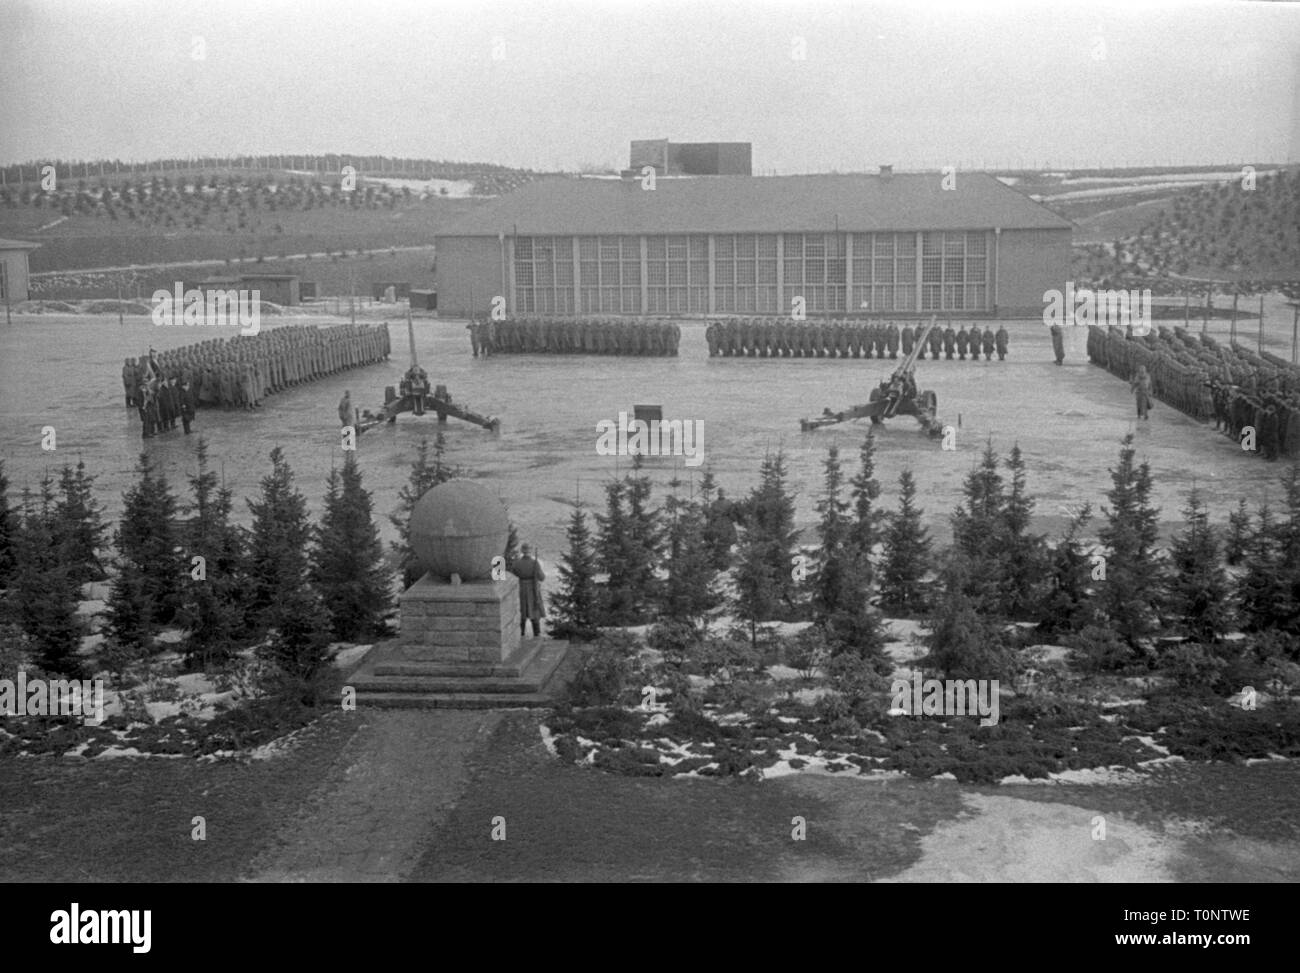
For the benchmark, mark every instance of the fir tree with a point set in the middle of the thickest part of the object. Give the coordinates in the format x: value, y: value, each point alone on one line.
x: 964, y: 643
x: 348, y: 568
x: 841, y: 587
x: 645, y: 537
x: 1132, y: 582
x: 1289, y: 610
x: 613, y: 557
x: 1265, y: 591
x: 979, y: 531
x: 1198, y: 587
x: 212, y: 609
x: 1260, y: 589
x: 865, y: 531
x: 629, y: 550
x: 511, y: 553
x: 277, y: 565
x: 1238, y: 534
x: 426, y: 473
x: 769, y: 520
x: 1065, y: 603
x: 298, y: 649
x: 8, y: 528
x: 574, y: 608
x: 690, y: 591
x: 147, y: 591
x: 757, y: 589
x: 1024, y: 556
x: 78, y: 524
x: 45, y: 594
x: 907, y: 553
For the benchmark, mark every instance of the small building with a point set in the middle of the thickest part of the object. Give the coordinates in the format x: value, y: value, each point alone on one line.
x: 307, y: 290
x: 282, y: 289
x: 401, y: 290
x: 14, y: 272
x: 424, y: 300
x: 693, y: 158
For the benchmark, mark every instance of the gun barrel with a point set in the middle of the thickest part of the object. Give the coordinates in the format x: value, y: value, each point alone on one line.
x: 909, y: 361
x: 410, y: 335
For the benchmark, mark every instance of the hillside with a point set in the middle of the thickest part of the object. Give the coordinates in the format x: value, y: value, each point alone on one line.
x: 1220, y: 232
x: 282, y: 222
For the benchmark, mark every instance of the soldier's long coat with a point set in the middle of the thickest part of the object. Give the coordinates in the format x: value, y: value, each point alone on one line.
x: 530, y: 575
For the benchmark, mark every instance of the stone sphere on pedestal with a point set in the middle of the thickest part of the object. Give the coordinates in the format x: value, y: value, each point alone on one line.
x: 457, y: 528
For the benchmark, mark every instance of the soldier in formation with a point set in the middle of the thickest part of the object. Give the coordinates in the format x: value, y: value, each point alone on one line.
x: 742, y: 337
x: 238, y: 372
x: 581, y: 336
x: 1235, y: 388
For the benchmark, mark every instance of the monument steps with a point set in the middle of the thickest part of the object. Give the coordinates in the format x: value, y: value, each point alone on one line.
x: 418, y: 688
x: 453, y: 701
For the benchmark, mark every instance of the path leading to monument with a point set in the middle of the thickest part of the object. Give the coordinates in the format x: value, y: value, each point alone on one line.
x: 392, y: 786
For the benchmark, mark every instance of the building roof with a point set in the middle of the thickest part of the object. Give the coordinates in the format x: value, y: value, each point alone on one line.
x: 17, y: 245
x: 757, y: 204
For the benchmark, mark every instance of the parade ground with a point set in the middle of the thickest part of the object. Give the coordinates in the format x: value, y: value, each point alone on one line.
x: 63, y: 371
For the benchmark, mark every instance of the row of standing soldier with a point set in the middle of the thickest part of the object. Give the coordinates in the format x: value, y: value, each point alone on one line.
x: 238, y: 372
x: 1232, y: 386
x: 574, y: 336
x: 837, y: 338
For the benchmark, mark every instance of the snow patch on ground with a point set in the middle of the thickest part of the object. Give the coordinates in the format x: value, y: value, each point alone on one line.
x: 348, y: 654
x: 548, y: 741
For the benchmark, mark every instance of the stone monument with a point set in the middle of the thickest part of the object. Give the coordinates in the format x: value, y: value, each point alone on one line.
x: 460, y: 642
x: 458, y: 611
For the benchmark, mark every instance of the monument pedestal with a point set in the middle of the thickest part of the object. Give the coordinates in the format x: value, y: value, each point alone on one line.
x: 474, y: 621
x: 459, y: 647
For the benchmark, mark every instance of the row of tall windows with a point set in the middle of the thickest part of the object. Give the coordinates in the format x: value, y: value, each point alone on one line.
x: 953, y: 270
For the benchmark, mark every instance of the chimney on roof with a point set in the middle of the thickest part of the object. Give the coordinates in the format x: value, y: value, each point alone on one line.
x: 886, y: 171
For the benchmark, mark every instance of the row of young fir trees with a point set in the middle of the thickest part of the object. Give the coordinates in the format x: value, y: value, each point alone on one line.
x: 691, y: 559
x: 284, y: 583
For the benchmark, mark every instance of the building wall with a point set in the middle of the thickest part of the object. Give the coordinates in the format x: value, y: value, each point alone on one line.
x: 15, y: 262
x: 652, y: 152
x: 468, y: 275
x: 1030, y: 262
x: 901, y: 274
x: 276, y: 291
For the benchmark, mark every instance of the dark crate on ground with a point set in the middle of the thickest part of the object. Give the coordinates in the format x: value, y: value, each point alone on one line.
x: 424, y: 300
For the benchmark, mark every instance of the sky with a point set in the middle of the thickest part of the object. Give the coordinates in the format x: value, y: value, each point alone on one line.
x: 562, y: 84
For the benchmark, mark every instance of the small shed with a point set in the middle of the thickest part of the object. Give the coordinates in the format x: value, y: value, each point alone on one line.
x: 14, y: 272
x: 280, y: 289
x: 422, y: 300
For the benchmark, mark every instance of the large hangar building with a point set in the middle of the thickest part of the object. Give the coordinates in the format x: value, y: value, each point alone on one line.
x: 882, y: 245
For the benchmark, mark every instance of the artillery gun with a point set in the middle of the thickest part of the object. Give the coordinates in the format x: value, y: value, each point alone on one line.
x: 895, y: 396
x: 413, y: 395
